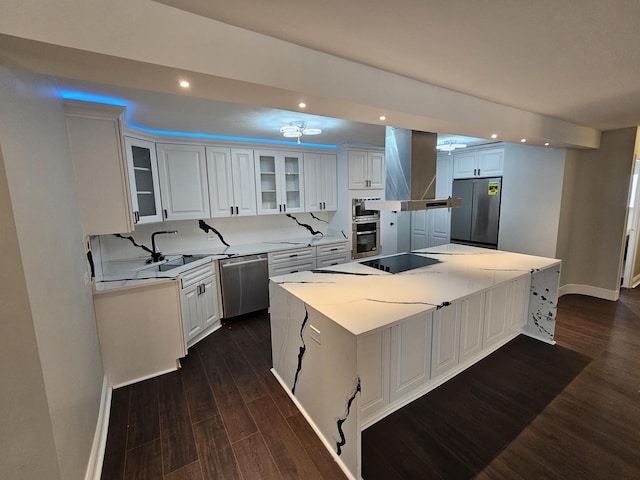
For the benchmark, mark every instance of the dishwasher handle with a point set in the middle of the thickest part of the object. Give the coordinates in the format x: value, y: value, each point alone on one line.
x: 245, y: 262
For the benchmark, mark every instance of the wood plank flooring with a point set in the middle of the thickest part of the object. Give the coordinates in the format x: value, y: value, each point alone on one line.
x: 528, y: 411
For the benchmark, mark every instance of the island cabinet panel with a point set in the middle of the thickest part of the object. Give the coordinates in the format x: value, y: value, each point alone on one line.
x: 410, y: 355
x: 496, y: 307
x: 471, y: 326
x: 373, y: 368
x: 521, y: 289
x: 446, y: 339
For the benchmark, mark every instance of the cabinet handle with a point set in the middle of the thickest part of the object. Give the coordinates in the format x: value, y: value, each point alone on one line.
x: 231, y: 209
x: 165, y: 213
x: 236, y: 210
x: 285, y: 207
x: 293, y: 255
x: 280, y: 207
x: 198, y: 289
x: 204, y: 288
x: 333, y: 249
x: 478, y: 172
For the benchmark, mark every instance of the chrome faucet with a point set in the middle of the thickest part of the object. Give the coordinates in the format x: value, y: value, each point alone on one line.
x: 156, y: 256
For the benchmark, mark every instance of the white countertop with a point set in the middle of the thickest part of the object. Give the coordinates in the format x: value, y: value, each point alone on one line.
x: 362, y: 299
x: 131, y: 273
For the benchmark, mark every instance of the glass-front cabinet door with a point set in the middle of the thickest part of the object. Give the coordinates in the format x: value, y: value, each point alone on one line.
x: 143, y: 180
x: 279, y: 182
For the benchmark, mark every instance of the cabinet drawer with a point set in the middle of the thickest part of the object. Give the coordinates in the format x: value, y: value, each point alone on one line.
x: 330, y: 260
x: 195, y: 275
x: 287, y: 256
x: 292, y: 267
x: 332, y: 249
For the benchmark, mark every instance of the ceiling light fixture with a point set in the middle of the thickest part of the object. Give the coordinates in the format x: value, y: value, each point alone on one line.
x: 450, y: 146
x: 383, y: 118
x: 523, y: 140
x: 184, y: 84
x: 297, y: 129
x: 302, y: 105
x: 494, y: 135
x: 546, y: 144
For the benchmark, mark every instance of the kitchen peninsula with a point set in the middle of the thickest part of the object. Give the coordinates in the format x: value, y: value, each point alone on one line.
x: 353, y: 343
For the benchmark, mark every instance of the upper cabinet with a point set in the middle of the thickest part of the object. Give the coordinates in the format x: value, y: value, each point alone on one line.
x: 183, y: 181
x: 279, y: 182
x: 232, y: 182
x: 143, y: 180
x: 320, y: 182
x: 100, y: 169
x: 366, y: 169
x: 478, y: 163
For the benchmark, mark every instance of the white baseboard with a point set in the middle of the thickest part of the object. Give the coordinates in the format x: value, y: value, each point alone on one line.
x: 94, y: 467
x: 590, y: 291
x: 328, y: 446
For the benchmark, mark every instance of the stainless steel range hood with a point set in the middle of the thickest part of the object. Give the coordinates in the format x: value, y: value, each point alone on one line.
x: 410, y: 159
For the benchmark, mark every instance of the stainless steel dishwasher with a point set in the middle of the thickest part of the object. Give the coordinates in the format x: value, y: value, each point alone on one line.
x: 245, y: 284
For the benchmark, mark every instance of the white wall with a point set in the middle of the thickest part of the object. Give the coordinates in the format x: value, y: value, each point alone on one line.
x: 40, y: 179
x: 531, y: 198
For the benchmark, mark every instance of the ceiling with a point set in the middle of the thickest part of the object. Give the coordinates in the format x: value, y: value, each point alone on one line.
x: 576, y: 60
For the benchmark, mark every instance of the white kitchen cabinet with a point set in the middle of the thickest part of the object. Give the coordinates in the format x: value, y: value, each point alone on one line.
x: 410, y: 355
x: 232, y: 182
x: 199, y: 303
x: 279, y: 182
x: 332, y: 254
x: 291, y: 261
x: 100, y: 168
x: 471, y: 326
x: 143, y: 180
x: 366, y: 169
x: 183, y: 181
x: 373, y: 370
x: 495, y: 314
x: 521, y: 292
x: 478, y: 163
x: 446, y: 339
x: 320, y: 182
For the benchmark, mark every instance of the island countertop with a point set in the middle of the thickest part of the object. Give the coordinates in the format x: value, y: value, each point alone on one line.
x: 362, y: 299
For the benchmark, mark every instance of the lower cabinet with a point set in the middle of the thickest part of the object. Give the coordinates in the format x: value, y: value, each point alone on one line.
x: 199, y: 301
x: 506, y: 308
x: 471, y: 326
x: 446, y: 339
x: 373, y: 364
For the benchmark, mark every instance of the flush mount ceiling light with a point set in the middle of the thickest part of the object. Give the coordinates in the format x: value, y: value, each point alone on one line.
x: 184, y: 83
x: 450, y: 146
x: 298, y: 129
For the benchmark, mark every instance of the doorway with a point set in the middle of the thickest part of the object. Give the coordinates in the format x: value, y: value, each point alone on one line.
x: 631, y: 269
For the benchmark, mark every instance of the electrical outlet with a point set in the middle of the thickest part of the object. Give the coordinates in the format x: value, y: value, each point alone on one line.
x: 315, y: 334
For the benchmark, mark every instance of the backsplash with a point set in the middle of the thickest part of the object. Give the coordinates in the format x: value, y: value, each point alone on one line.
x: 234, y: 231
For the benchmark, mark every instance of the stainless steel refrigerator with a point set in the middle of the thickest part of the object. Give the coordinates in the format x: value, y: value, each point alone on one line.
x: 477, y: 221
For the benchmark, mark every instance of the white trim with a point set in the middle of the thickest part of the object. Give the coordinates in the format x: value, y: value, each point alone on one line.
x: 635, y: 281
x: 328, y: 446
x: 94, y: 467
x: 589, y: 290
x: 146, y: 377
x: 538, y: 337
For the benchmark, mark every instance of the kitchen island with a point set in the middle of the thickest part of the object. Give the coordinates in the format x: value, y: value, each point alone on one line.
x: 353, y: 343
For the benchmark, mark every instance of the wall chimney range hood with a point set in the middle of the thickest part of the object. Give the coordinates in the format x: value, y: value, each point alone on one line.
x: 410, y: 160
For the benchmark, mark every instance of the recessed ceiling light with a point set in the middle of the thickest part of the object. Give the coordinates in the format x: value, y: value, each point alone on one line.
x: 383, y: 118
x: 546, y: 144
x: 494, y: 135
x: 302, y: 105
x: 523, y: 140
x: 184, y: 84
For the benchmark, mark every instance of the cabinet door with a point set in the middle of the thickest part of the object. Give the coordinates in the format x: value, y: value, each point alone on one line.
x: 373, y: 370
x: 183, y: 181
x: 471, y: 326
x: 376, y: 169
x: 410, y: 354
x: 313, y: 182
x: 291, y: 182
x: 244, y: 181
x: 190, y: 315
x: 268, y: 200
x: 521, y: 292
x: 208, y: 302
x: 496, y: 306
x: 420, y: 229
x: 441, y: 227
x: 329, y: 182
x: 490, y: 162
x: 143, y: 180
x: 220, y: 178
x: 446, y: 341
x: 358, y: 178
x: 465, y: 165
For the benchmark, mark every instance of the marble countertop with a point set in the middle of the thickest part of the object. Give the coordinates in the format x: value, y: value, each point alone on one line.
x: 135, y: 272
x: 362, y: 299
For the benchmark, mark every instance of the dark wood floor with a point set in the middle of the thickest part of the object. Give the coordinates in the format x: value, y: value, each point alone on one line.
x: 529, y: 411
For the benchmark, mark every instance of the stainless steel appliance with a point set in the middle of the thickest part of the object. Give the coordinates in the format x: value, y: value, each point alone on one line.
x: 477, y: 221
x: 401, y: 262
x: 365, y: 230
x: 245, y: 284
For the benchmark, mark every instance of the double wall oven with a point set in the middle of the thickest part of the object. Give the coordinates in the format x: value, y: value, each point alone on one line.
x: 365, y: 230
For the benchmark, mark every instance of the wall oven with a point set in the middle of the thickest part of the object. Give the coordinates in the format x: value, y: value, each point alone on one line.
x: 365, y: 230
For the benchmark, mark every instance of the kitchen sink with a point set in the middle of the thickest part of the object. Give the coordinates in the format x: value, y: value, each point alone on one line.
x: 175, y: 263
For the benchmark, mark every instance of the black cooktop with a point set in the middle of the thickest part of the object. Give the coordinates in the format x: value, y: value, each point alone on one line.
x: 400, y: 263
